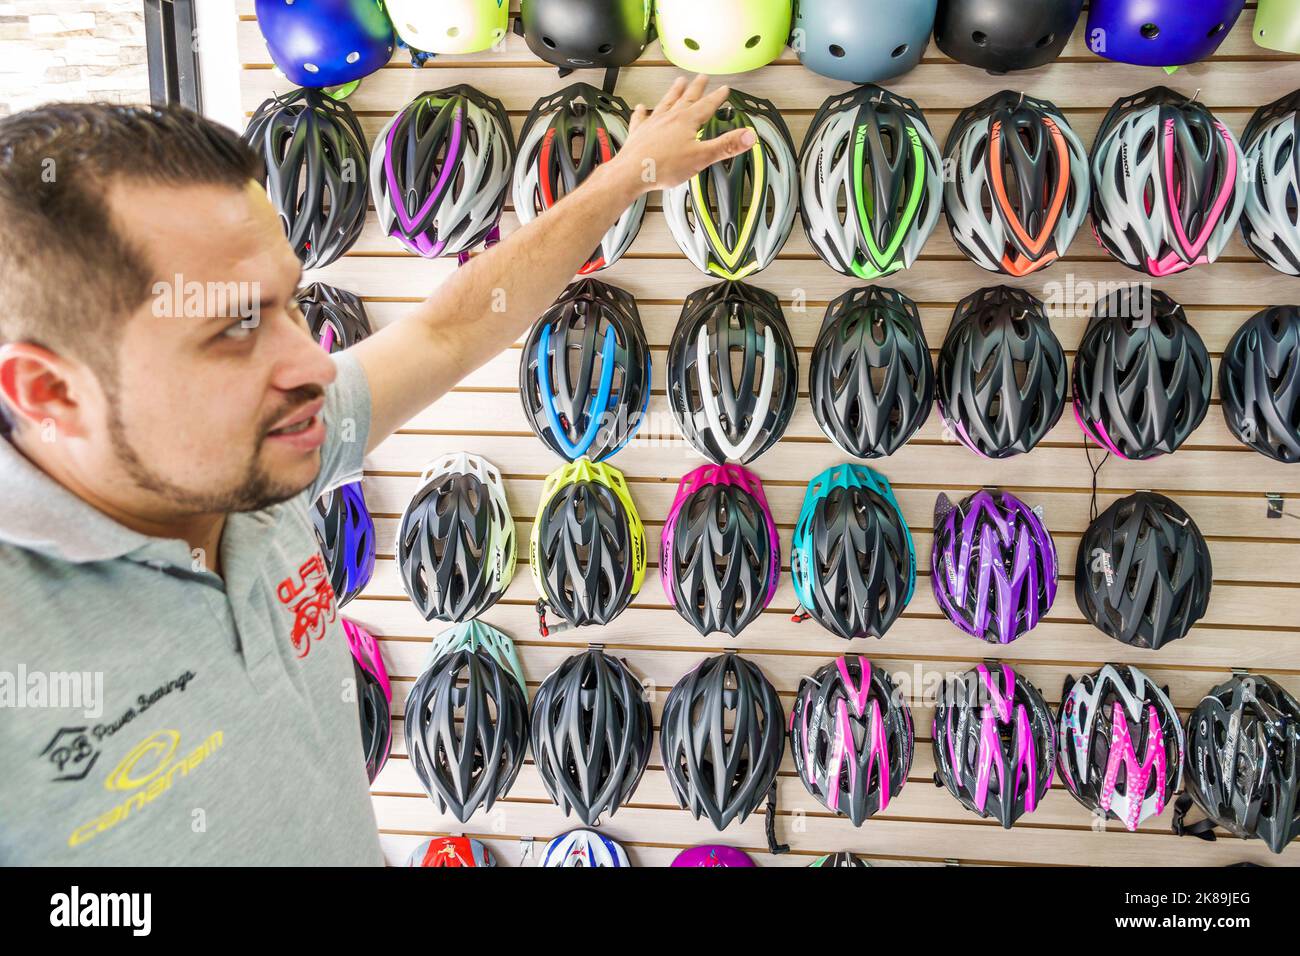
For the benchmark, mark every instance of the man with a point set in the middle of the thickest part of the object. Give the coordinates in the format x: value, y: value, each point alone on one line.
x: 174, y: 677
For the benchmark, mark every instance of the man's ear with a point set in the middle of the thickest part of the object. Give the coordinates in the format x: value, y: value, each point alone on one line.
x: 40, y: 389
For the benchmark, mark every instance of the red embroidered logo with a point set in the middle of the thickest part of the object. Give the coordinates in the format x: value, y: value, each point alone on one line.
x: 312, y: 600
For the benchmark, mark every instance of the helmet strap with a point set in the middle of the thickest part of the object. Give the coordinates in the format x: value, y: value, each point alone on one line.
x: 1202, y: 829
x: 769, y: 824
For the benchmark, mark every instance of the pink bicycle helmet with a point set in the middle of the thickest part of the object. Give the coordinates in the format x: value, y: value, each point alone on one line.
x: 713, y: 854
x: 366, y: 651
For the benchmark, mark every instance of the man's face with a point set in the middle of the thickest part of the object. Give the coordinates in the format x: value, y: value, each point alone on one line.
x: 215, y: 405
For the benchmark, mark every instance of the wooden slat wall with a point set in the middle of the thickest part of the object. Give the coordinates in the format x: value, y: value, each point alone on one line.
x: 1253, y: 621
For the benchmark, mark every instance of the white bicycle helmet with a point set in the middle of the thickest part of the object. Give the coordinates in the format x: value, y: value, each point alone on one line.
x: 450, y: 26
x: 732, y: 218
x: 456, y: 541
x: 584, y: 848
x: 565, y: 138
x: 1272, y: 146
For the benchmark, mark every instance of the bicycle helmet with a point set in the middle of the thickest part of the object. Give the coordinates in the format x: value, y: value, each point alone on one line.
x: 1002, y: 373
x: 723, y: 36
x: 1141, y: 376
x: 588, y: 544
x: 1243, y: 763
x: 440, y: 171
x: 1020, y: 184
x: 1269, y: 222
x: 1277, y: 25
x: 451, y: 851
x: 872, y: 380
x: 456, y: 541
x: 994, y: 742
x: 994, y: 567
x: 337, y: 318
x: 346, y: 535
x: 1169, y: 183
x: 466, y: 731
x: 592, y: 730
x: 830, y: 38
x: 366, y: 652
x: 584, y: 374
x: 1259, y: 383
x: 721, y: 553
x: 376, y: 720
x: 450, y: 26
x: 584, y: 848
x: 870, y: 182
x: 851, y: 737
x: 565, y: 138
x: 853, y: 561
x: 1120, y: 744
x: 319, y: 43
x: 732, y: 218
x: 313, y: 154
x: 843, y: 859
x: 711, y: 855
x: 1004, y: 35
x: 721, y: 739
x: 476, y: 635
x: 733, y: 374
x: 575, y: 34
x: 1144, y: 571
x: 1160, y: 32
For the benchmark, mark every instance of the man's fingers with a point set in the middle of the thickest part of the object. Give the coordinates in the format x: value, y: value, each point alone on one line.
x: 674, y: 93
x: 729, y: 145
x: 638, y: 117
x: 694, y: 90
x: 708, y: 105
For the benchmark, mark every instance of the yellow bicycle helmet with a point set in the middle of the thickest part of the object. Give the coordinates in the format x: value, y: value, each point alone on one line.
x: 723, y: 36
x: 450, y: 26
x: 588, y: 549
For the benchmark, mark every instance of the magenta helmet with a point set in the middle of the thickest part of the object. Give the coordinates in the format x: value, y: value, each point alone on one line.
x: 994, y: 568
x: 366, y: 651
x: 713, y: 854
x: 721, y: 553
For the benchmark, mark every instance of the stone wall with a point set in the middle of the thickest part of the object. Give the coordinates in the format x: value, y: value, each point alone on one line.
x: 71, y: 50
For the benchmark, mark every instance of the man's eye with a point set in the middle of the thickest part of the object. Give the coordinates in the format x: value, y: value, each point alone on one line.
x: 238, y: 331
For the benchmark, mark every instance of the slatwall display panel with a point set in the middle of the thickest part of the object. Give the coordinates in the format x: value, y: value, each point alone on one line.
x: 1253, y: 621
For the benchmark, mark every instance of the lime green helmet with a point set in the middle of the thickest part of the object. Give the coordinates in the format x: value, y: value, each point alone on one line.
x: 1277, y: 25
x: 450, y: 26
x: 723, y: 36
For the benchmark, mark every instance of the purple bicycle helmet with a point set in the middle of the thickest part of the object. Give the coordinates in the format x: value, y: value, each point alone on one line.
x: 721, y: 553
x: 994, y: 566
x: 337, y: 318
x: 712, y: 854
x: 994, y: 742
x: 1160, y: 32
x: 326, y: 42
x: 346, y: 534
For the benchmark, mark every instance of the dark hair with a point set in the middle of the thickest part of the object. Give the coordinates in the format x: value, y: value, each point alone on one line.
x: 67, y: 275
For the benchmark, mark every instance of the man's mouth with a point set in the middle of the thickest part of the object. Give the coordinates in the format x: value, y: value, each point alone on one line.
x: 303, y: 427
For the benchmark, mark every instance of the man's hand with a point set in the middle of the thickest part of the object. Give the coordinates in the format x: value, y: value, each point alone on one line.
x: 663, y: 149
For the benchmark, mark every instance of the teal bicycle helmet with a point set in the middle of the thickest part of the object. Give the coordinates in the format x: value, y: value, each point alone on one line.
x: 723, y: 36
x: 830, y: 39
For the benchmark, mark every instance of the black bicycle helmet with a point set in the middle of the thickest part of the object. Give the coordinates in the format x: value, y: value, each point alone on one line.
x: 1002, y: 373
x: 1141, y: 376
x: 1243, y: 763
x: 1259, y: 383
x: 842, y: 860
x: 733, y: 375
x: 576, y: 34
x: 316, y: 165
x: 456, y: 545
x: 376, y: 721
x: 585, y: 372
x: 336, y: 317
x: 592, y: 730
x: 721, y: 738
x: 466, y: 731
x: 1004, y: 35
x: 1144, y: 572
x: 871, y: 380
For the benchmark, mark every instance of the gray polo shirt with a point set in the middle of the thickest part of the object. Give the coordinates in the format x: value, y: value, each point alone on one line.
x: 152, y: 712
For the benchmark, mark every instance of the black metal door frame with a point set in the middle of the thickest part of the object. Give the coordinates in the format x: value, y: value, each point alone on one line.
x: 173, y: 53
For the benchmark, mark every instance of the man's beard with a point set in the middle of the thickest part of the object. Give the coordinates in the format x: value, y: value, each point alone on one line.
x: 255, y: 491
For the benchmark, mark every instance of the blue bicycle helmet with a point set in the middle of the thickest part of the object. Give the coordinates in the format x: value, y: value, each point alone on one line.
x: 318, y: 43
x: 853, y: 561
x: 1160, y: 32
x: 585, y: 372
x: 346, y: 535
x: 832, y: 37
